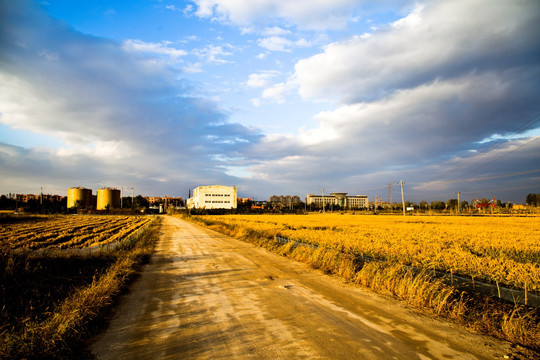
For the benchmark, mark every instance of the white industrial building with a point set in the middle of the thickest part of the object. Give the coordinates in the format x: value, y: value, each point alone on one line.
x: 341, y: 199
x: 213, y: 197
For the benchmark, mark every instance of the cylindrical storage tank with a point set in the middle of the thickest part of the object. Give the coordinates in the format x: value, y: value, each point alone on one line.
x: 79, y: 196
x: 108, y: 198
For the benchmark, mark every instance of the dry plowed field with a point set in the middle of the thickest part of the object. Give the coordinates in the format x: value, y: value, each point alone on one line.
x: 72, y: 231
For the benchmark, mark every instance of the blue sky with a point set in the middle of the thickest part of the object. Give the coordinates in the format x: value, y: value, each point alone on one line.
x: 273, y: 97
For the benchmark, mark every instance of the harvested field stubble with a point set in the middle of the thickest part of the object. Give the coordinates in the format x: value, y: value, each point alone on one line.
x: 72, y: 231
x: 48, y: 299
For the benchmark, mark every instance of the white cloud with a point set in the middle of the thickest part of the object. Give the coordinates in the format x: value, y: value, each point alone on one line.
x: 411, y: 20
x: 213, y: 54
x: 423, y: 132
x: 279, y: 43
x: 275, y: 31
x: 108, y: 151
x: 256, y: 102
x: 261, y: 79
x: 439, y: 40
x: 188, y: 10
x: 278, y: 93
x: 193, y: 68
x: 424, y: 95
x: 275, y: 43
x: 302, y: 43
x: 306, y: 14
x: 120, y: 112
x: 161, y: 48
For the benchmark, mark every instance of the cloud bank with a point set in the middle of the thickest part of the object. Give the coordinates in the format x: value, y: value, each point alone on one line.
x: 122, y: 115
x: 306, y: 14
x: 445, y: 98
x: 417, y: 98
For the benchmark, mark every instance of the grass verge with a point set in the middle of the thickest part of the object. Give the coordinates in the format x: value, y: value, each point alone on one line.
x: 420, y: 289
x: 51, y: 301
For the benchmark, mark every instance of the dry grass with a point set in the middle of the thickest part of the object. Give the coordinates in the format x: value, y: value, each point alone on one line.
x: 500, y: 250
x: 420, y: 289
x: 57, y: 322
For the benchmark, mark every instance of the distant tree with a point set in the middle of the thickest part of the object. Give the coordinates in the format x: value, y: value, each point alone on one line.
x: 140, y: 202
x: 79, y: 204
x: 438, y: 205
x: 423, y: 205
x: 6, y: 203
x: 299, y: 206
x: 532, y: 199
x: 452, y: 204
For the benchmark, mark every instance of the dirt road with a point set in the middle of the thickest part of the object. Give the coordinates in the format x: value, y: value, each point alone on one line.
x: 208, y: 296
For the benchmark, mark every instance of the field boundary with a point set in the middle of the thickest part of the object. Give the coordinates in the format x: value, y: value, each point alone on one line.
x: 509, y: 295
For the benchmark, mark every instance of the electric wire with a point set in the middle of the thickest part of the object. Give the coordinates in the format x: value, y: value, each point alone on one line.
x: 496, y: 144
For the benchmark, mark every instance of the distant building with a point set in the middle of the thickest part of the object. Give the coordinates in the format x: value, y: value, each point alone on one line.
x: 341, y: 199
x: 168, y: 200
x: 213, y: 197
x: 79, y: 197
x: 284, y: 200
x: 108, y: 198
x: 152, y: 200
x: 24, y: 198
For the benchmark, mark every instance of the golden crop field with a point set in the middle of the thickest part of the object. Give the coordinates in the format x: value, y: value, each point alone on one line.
x: 71, y: 231
x: 504, y: 250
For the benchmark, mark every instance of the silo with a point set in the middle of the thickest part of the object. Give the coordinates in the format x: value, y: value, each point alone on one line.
x: 108, y: 198
x: 81, y: 195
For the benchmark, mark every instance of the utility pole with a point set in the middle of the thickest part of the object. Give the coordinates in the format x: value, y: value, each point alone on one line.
x: 121, y: 197
x: 132, y: 197
x: 458, y: 202
x: 390, y: 193
x: 401, y: 183
x: 41, y: 196
x: 322, y: 190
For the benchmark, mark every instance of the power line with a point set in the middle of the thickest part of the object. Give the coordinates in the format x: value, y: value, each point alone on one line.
x: 492, y: 146
x: 500, y: 157
x: 481, y: 179
x: 481, y: 190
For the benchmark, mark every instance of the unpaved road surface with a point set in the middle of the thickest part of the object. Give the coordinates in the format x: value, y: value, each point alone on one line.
x: 208, y: 296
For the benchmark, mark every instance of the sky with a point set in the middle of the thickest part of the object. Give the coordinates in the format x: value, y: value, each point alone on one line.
x: 274, y: 97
